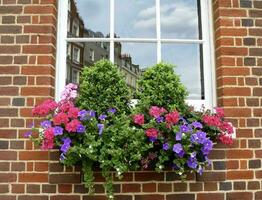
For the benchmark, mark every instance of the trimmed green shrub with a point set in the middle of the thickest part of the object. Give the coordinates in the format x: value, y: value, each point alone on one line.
x: 103, y: 87
x: 161, y: 86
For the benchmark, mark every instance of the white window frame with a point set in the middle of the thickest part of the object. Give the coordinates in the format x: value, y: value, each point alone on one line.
x: 206, y: 41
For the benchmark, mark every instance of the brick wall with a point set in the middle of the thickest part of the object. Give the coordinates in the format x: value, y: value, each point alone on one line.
x: 27, y: 68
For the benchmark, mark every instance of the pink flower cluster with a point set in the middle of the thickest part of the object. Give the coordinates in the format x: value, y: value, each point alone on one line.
x: 158, y: 114
x: 47, y: 107
x: 172, y: 118
x: 70, y: 92
x: 64, y: 116
x: 139, y: 119
x: 151, y: 133
x: 156, y: 111
x: 48, y: 142
x: 226, y: 128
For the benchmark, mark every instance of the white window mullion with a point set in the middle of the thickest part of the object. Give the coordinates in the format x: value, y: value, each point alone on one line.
x: 158, y: 31
x: 112, y: 30
x: 61, y: 72
x: 209, y: 76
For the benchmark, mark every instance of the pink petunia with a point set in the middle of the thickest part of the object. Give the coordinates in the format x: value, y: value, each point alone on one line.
x: 156, y: 111
x: 152, y: 133
x: 60, y: 118
x: 45, y: 108
x: 172, y: 117
x: 139, y: 119
x: 73, y: 112
x: 72, y: 126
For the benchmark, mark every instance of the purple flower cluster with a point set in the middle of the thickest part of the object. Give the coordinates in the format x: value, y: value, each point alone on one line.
x: 86, y: 114
x: 178, y: 149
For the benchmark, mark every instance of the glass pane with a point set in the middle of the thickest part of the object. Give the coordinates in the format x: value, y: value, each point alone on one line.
x: 88, y: 18
x: 133, y: 58
x: 135, y: 18
x: 189, y: 65
x: 180, y: 19
x: 84, y: 54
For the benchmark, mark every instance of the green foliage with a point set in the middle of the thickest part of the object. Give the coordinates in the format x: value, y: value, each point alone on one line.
x: 119, y: 148
x: 102, y: 87
x: 160, y: 86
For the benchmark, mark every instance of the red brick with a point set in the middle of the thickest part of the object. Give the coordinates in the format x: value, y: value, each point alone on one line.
x: 213, y: 196
x: 37, y: 70
x: 18, y: 188
x: 33, y: 155
x: 8, y: 91
x: 149, y: 187
x: 64, y: 188
x: 150, y: 197
x: 130, y: 187
x: 39, y: 9
x: 239, y: 196
x: 67, y: 197
x: 38, y: 91
x: 37, y: 49
x: 8, y: 155
x: 33, y: 177
x: 236, y: 175
x: 238, y: 112
x: 149, y: 176
x: 9, y: 70
x: 7, y: 177
x: 38, y: 29
x: 232, y: 12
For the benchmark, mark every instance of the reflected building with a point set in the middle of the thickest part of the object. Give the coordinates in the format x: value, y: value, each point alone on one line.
x: 86, y: 54
x: 75, y: 50
x: 94, y: 51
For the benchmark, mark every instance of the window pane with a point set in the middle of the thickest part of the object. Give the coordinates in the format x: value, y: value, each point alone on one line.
x: 135, y: 18
x: 133, y: 58
x: 84, y: 54
x: 88, y: 18
x: 180, y: 19
x: 188, y: 61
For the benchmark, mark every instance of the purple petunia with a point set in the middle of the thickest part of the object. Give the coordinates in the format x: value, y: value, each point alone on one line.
x: 160, y: 119
x: 197, y: 125
x: 178, y: 149
x: 86, y: 114
x: 46, y: 124
x: 102, y: 117
x: 184, y: 129
x: 112, y: 110
x: 80, y: 128
x: 165, y: 146
x: 207, y: 147
x: 199, y: 137
x: 100, y: 128
x: 66, y: 145
x: 58, y: 130
x: 178, y: 136
x: 192, y: 162
x: 83, y: 114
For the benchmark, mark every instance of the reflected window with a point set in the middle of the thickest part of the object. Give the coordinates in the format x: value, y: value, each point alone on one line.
x: 138, y: 34
x: 76, y: 54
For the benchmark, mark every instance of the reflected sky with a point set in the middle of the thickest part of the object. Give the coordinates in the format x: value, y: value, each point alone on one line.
x: 187, y: 60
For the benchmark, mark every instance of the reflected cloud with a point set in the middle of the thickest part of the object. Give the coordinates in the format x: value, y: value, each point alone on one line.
x: 178, y: 19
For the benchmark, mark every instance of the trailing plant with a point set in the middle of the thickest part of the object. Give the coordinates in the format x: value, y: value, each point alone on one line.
x: 161, y: 86
x: 102, y: 87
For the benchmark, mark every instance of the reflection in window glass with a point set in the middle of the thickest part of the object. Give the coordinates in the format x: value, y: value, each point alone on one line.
x: 133, y: 58
x: 92, y: 16
x: 187, y: 59
x: 135, y: 18
x: 180, y: 19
